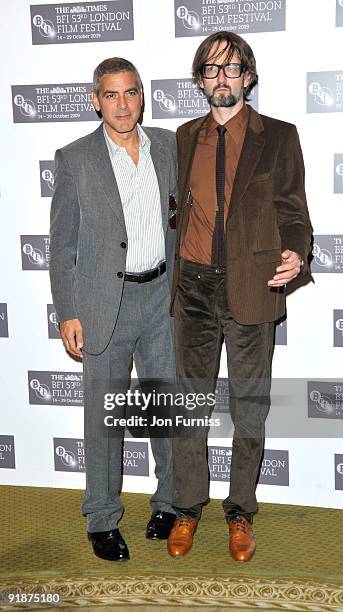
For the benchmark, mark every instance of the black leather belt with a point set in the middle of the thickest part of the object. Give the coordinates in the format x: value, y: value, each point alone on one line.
x: 145, y: 277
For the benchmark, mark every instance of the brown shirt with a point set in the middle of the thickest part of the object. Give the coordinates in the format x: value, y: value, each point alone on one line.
x: 197, y: 245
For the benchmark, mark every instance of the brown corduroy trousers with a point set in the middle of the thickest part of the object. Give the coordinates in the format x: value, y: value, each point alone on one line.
x: 202, y: 319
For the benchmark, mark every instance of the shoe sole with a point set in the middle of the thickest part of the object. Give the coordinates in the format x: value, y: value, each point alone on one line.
x: 241, y: 560
x: 179, y: 556
x: 104, y: 558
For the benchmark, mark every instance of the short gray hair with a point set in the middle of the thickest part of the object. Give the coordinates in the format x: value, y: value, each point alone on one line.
x: 112, y: 65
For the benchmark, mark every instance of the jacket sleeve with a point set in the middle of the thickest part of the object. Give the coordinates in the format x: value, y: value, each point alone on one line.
x: 64, y: 227
x: 290, y: 199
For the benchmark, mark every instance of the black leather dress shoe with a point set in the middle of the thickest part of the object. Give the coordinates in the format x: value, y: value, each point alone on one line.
x: 159, y: 526
x: 109, y: 545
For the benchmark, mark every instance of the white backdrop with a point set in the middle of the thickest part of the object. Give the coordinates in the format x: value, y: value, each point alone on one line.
x: 310, y: 43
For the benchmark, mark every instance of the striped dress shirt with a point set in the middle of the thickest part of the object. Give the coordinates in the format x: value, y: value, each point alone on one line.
x: 140, y: 197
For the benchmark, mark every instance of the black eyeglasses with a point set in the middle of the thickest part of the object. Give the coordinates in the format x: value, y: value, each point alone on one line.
x: 231, y: 71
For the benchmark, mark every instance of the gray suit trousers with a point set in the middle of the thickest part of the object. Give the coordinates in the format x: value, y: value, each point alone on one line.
x: 143, y: 332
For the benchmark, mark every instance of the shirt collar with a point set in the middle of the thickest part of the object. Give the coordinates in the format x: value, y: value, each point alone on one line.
x: 144, y: 141
x: 235, y: 126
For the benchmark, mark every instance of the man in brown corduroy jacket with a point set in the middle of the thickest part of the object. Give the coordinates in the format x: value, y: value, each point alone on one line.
x: 243, y: 241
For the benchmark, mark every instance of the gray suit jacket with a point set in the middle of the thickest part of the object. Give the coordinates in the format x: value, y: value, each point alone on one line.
x: 87, y: 228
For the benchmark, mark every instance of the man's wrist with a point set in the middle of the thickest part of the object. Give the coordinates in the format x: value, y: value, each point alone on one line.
x: 301, y: 261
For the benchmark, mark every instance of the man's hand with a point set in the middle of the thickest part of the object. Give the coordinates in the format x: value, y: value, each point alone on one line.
x: 289, y: 269
x: 72, y: 336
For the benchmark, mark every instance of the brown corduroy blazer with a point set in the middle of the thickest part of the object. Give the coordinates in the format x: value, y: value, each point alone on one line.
x: 267, y: 214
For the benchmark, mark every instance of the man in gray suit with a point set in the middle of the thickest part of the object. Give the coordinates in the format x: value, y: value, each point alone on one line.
x: 111, y: 244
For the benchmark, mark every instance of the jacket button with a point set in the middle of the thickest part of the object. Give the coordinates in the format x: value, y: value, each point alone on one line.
x: 123, y: 245
x: 120, y: 274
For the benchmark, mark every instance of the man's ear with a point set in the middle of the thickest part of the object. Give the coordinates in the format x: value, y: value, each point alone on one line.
x: 247, y: 79
x: 200, y: 83
x: 95, y: 101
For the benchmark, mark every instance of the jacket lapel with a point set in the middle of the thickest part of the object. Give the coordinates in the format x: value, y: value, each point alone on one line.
x: 101, y: 166
x: 186, y: 149
x: 250, y: 156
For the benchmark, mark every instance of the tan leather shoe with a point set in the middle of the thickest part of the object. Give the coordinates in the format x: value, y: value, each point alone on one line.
x: 242, y: 542
x: 181, y: 536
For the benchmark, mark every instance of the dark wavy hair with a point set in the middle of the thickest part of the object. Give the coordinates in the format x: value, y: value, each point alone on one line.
x: 233, y: 43
x: 112, y: 65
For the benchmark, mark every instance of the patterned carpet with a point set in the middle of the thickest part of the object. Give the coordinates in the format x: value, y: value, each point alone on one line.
x: 44, y: 549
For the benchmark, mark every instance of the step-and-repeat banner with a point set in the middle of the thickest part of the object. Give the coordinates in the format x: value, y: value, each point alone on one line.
x: 49, y: 52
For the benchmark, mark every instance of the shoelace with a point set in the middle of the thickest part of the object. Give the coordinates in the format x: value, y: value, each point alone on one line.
x: 185, y: 521
x: 113, y: 535
x: 241, y: 524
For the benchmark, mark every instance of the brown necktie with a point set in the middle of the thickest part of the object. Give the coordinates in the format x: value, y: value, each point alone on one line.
x: 218, y: 240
